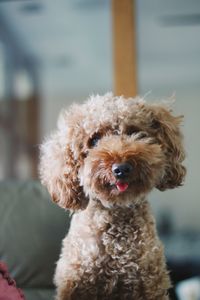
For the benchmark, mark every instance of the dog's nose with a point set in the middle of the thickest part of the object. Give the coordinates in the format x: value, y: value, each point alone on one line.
x: 122, y: 170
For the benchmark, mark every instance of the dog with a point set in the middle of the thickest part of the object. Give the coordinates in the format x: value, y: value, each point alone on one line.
x: 104, y: 159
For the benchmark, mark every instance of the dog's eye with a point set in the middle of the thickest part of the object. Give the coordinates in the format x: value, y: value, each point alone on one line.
x: 141, y: 135
x: 155, y: 124
x: 94, y: 140
x: 132, y: 130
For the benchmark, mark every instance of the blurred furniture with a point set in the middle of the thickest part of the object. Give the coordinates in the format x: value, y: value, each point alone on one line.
x: 19, y: 105
x: 189, y: 289
x: 19, y: 122
x: 31, y: 230
x: 183, y: 257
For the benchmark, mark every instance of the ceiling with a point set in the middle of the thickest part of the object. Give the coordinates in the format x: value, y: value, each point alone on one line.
x: 71, y: 42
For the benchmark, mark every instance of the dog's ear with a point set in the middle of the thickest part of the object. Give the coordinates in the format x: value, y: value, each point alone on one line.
x: 59, y: 171
x: 169, y: 135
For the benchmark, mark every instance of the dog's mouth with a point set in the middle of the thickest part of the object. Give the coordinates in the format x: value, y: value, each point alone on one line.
x: 118, y: 185
x: 121, y: 186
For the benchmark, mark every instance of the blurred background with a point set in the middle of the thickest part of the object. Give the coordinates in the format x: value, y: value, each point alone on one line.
x: 53, y: 53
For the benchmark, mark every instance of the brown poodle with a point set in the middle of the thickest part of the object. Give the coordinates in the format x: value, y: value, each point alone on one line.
x: 102, y: 162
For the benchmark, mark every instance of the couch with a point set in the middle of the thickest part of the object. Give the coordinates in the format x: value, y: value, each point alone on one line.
x: 31, y: 231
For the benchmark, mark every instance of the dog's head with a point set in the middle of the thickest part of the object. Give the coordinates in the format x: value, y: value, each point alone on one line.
x: 114, y: 150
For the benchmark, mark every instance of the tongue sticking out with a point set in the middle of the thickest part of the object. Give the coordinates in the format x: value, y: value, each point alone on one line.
x: 122, y: 187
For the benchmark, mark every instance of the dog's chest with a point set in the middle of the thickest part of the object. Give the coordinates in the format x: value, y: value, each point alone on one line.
x: 122, y: 243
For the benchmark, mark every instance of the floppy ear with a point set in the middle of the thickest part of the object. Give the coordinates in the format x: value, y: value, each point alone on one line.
x: 59, y: 172
x: 172, y: 143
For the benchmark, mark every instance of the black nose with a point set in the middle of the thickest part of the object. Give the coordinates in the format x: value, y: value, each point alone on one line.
x: 122, y: 170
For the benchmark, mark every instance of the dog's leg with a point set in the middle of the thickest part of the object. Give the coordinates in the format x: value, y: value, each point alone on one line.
x: 155, y: 281
x: 64, y: 291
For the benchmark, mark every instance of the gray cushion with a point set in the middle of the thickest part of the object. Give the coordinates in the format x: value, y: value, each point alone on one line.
x: 39, y: 294
x: 31, y: 230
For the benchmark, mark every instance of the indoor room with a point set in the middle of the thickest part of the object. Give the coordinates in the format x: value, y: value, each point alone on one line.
x: 57, y: 53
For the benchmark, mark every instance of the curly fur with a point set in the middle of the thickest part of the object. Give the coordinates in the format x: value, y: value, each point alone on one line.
x: 112, y: 250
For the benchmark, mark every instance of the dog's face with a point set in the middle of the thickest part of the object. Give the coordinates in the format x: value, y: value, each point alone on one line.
x: 114, y: 150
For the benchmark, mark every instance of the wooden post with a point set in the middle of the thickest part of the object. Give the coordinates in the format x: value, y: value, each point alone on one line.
x: 124, y: 48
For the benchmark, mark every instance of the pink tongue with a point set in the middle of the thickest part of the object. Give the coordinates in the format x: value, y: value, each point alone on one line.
x: 121, y: 186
